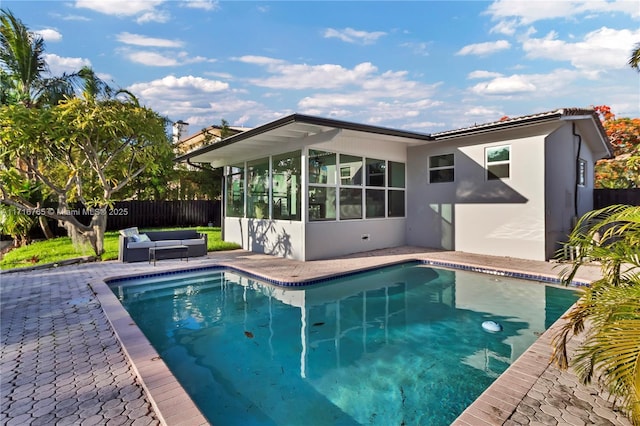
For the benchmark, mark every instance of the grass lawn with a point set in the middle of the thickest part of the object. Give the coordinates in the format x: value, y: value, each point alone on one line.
x: 57, y: 249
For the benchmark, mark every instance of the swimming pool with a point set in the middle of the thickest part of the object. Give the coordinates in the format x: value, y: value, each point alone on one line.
x: 398, y: 344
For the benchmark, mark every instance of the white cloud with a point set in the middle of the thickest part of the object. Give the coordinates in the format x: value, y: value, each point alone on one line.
x: 120, y: 7
x: 349, y: 35
x: 172, y: 83
x: 49, y: 35
x: 203, y: 4
x: 153, y: 16
x: 601, y: 49
x: 482, y: 111
x: 258, y: 60
x: 526, y: 12
x: 553, y: 84
x: 152, y: 59
x: 140, y: 40
x: 375, y: 95
x: 199, y: 101
x: 420, y: 49
x: 325, y: 76
x: 155, y: 59
x: 179, y: 97
x: 143, y: 10
x: 59, y: 65
x: 505, y: 86
x: 480, y: 74
x: 506, y: 27
x: 484, y: 48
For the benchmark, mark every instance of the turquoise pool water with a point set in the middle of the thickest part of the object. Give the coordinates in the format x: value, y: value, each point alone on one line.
x: 398, y: 345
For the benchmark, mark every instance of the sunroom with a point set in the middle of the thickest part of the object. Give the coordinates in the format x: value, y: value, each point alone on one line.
x: 309, y: 188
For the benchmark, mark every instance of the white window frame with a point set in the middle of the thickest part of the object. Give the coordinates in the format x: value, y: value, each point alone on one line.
x: 452, y: 167
x: 487, y: 163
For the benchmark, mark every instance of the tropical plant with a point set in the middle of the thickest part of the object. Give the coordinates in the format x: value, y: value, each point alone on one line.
x: 81, y: 150
x: 608, y: 312
x: 634, y: 59
x: 25, y: 80
x: 622, y: 171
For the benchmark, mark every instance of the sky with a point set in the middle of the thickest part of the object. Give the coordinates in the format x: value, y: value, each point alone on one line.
x: 424, y: 66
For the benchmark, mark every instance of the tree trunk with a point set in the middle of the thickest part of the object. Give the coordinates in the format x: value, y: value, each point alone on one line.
x: 96, y: 234
x: 46, y: 229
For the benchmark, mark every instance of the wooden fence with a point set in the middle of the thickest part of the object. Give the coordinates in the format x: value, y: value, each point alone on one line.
x: 149, y: 214
x: 608, y: 197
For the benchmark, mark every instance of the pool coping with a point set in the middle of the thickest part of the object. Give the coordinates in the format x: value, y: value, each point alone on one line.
x: 174, y: 407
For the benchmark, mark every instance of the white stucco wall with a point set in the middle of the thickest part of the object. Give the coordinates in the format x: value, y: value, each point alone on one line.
x: 277, y: 237
x: 329, y: 239
x: 472, y: 214
x: 561, y: 153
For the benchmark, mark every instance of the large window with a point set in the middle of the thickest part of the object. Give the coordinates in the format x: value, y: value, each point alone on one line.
x: 498, y: 162
x: 441, y: 168
x: 366, y: 188
x: 235, y: 191
x: 285, y: 175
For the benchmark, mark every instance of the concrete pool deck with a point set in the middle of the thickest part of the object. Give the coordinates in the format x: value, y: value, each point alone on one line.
x: 61, y: 359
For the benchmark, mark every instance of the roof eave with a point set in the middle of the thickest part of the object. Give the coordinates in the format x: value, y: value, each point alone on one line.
x: 307, y: 119
x: 499, y: 125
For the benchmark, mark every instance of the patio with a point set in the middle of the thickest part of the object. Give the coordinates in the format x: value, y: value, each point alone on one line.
x: 62, y: 363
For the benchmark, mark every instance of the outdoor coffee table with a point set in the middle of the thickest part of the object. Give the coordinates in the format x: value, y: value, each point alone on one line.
x: 170, y: 251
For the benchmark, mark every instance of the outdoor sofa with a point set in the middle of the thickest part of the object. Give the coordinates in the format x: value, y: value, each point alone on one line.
x: 134, y: 246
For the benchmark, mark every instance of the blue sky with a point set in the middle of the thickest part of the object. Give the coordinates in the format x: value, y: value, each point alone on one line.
x: 425, y: 66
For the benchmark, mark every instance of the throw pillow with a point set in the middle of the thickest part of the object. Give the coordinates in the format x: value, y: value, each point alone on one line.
x: 143, y: 238
x: 129, y: 232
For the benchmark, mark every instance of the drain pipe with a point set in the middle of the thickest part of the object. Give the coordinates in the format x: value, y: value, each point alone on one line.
x: 577, y: 172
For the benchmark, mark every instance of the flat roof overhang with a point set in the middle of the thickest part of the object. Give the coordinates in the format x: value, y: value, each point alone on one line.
x: 290, y: 133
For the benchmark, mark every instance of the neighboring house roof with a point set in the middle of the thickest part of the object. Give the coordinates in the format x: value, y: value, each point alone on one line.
x: 206, y: 136
x: 296, y: 126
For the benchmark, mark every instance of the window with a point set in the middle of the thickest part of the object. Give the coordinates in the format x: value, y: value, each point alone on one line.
x: 582, y: 172
x: 375, y: 203
x: 396, y: 203
x: 285, y: 177
x: 441, y: 168
x: 350, y: 203
x: 376, y: 172
x: 235, y: 191
x: 347, y: 187
x: 396, y: 175
x: 498, y: 162
x: 350, y: 170
x: 322, y: 203
x: 322, y: 167
x: 258, y: 188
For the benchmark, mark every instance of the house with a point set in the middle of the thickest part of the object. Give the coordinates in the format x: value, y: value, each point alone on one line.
x: 206, y: 136
x: 307, y: 188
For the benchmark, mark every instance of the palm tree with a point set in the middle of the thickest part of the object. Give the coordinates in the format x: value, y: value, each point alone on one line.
x: 634, y: 60
x: 609, y: 309
x: 25, y: 71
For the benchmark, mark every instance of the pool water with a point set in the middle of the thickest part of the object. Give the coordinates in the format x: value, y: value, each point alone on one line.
x: 401, y: 344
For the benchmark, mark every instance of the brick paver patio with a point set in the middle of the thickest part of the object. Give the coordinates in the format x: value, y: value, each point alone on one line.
x: 61, y: 362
